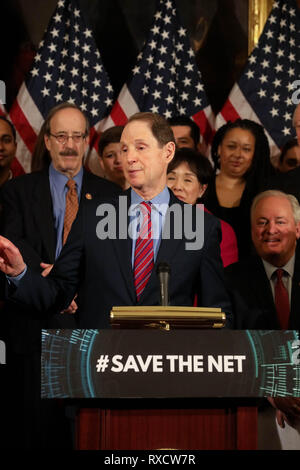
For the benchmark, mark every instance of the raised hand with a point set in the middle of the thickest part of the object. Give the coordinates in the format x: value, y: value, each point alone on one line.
x: 11, y: 261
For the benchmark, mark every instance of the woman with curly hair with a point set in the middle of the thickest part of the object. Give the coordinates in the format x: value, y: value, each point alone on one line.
x: 241, y: 154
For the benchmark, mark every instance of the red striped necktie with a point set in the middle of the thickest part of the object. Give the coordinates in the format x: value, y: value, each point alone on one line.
x: 144, y: 254
x: 282, y: 301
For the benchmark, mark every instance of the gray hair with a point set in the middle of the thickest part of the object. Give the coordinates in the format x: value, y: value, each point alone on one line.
x: 275, y: 193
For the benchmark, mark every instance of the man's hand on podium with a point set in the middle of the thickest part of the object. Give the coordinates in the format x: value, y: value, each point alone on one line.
x: 11, y: 261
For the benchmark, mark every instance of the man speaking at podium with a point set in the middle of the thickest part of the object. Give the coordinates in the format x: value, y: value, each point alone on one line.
x: 108, y: 265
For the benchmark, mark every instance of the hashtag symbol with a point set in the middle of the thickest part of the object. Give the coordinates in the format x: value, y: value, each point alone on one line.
x: 102, y: 363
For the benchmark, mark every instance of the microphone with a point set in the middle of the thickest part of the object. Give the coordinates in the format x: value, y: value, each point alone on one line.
x: 163, y: 271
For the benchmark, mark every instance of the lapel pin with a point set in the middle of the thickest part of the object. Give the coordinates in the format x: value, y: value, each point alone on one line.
x: 88, y: 196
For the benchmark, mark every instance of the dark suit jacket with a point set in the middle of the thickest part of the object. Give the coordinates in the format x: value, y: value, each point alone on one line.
x: 288, y: 182
x: 100, y: 270
x: 252, y: 298
x: 27, y: 220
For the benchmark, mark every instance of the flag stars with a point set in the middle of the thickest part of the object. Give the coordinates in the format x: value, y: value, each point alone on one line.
x: 45, y: 92
x: 108, y: 102
x: 277, y: 82
x: 163, y: 50
x: 62, y: 67
x: 74, y: 72
x: 75, y: 57
x: 95, y: 97
x: 98, y: 68
x: 291, y: 72
x: 286, y: 131
x: 265, y: 64
x: 158, y: 80
x: 267, y: 49
x: 189, y: 67
x: 156, y: 94
x: 52, y: 47
x: 263, y: 78
x: 47, y: 77
x: 274, y: 112
x: 57, y: 18
x: 155, y: 30
x: 88, y: 33
x: 250, y: 74
x: 96, y: 83
x: 76, y: 42
x: 58, y: 97
x: 152, y: 44
x: 275, y: 97
x: 60, y: 82
x: 35, y: 72
x: 170, y: 99
x: 262, y: 93
x: 73, y: 86
x: 154, y: 109
x: 86, y: 48
x: 150, y: 59
x: 54, y: 33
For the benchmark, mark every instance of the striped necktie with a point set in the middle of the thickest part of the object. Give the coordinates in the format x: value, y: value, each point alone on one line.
x: 144, y: 255
x: 282, y: 301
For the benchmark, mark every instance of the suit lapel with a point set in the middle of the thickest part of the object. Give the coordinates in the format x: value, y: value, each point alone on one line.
x: 43, y: 214
x: 295, y: 297
x: 262, y: 290
x: 123, y: 246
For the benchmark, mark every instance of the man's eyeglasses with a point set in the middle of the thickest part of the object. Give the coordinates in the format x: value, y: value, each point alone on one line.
x: 63, y: 138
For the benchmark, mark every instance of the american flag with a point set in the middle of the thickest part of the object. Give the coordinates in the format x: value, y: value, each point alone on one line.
x: 265, y: 90
x: 67, y: 67
x: 165, y: 79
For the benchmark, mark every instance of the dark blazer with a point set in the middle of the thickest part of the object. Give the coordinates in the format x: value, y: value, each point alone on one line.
x: 27, y: 220
x: 101, y: 272
x: 251, y: 295
x: 287, y: 182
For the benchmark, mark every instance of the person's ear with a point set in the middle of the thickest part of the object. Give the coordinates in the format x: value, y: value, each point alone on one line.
x: 202, y: 189
x: 170, y: 148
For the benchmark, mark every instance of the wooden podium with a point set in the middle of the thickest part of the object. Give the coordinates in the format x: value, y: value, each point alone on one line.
x: 213, y: 425
x: 206, y: 424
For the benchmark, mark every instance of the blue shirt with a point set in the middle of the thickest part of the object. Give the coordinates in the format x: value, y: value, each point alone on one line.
x: 58, y: 191
x: 159, y: 207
